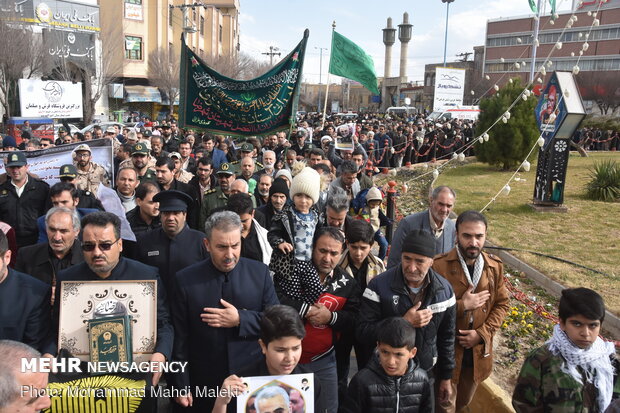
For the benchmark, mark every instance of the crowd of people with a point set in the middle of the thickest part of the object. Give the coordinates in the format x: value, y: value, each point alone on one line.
x: 264, y: 256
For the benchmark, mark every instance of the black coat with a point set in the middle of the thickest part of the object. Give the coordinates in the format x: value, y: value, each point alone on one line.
x: 35, y: 260
x: 22, y: 212
x: 25, y: 310
x: 170, y: 255
x: 214, y: 353
x: 372, y: 390
x: 127, y: 270
x: 137, y: 224
x: 194, y: 209
x: 195, y: 184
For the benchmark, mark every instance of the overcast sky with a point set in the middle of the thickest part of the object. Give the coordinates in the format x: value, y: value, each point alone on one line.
x: 281, y: 23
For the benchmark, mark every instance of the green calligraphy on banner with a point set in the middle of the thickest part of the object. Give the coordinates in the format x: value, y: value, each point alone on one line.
x: 219, y: 104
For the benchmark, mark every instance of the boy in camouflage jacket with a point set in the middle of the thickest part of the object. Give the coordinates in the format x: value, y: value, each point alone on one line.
x: 575, y: 371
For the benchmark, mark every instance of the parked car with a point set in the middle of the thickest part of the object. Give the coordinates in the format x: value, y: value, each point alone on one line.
x: 72, y: 129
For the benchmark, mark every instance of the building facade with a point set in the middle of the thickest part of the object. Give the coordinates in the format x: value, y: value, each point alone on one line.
x: 509, y: 47
x: 145, y: 26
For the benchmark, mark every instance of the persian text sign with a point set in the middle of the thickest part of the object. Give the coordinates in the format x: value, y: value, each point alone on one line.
x: 449, y: 88
x: 50, y: 99
x: 236, y: 107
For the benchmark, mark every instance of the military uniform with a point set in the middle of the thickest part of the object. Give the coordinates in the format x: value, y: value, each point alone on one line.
x: 89, y: 180
x: 150, y: 163
x: 213, y: 198
x: 542, y: 386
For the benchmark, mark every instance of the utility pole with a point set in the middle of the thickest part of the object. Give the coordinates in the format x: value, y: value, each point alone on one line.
x: 445, y: 41
x: 465, y: 56
x: 273, y: 51
x: 320, y: 74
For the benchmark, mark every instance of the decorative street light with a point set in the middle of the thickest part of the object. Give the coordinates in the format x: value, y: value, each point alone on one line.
x: 445, y: 43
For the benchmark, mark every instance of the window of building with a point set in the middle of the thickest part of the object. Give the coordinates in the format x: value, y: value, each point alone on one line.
x: 202, y: 53
x: 133, y: 48
x: 170, y: 9
x: 194, y: 15
x: 221, y: 33
x: 133, y: 1
x: 202, y: 26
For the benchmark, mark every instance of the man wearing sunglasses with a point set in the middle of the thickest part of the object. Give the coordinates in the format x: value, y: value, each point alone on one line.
x: 102, y: 246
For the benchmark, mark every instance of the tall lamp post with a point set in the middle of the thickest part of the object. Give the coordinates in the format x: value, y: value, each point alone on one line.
x: 320, y: 74
x: 445, y: 42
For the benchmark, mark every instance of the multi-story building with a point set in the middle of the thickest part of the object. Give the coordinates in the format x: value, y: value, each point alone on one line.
x: 509, y: 46
x: 144, y: 26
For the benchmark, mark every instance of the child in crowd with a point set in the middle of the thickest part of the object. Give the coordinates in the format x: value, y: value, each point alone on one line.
x: 575, y: 371
x: 281, y: 332
x: 291, y: 234
x: 359, y: 262
x: 367, y: 206
x: 392, y: 380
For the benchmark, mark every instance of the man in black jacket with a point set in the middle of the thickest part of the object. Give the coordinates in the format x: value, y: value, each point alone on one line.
x: 23, y: 199
x: 62, y: 250
x: 174, y: 246
x: 413, y: 291
x: 145, y: 216
x: 164, y: 170
x: 102, y: 246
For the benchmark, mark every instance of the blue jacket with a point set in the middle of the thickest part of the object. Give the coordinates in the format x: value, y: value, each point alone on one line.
x: 421, y: 220
x: 214, y: 353
x: 126, y: 270
x: 218, y: 157
x: 25, y: 310
x: 387, y: 296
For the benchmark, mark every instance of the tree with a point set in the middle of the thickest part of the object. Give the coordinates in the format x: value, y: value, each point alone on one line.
x: 509, y: 142
x: 602, y: 88
x: 163, y: 73
x: 22, y: 56
x: 241, y: 66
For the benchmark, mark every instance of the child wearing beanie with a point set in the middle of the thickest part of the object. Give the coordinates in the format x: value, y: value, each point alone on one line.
x: 291, y: 235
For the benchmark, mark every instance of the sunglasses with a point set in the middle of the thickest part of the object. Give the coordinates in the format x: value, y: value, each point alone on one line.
x: 103, y: 246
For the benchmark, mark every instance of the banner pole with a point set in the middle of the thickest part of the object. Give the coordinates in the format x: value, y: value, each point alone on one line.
x: 327, y: 86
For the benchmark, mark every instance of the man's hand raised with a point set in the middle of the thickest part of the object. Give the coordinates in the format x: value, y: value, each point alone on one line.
x: 472, y: 301
x: 418, y: 318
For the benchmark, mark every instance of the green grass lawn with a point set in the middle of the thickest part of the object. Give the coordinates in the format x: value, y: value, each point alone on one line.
x: 588, y: 234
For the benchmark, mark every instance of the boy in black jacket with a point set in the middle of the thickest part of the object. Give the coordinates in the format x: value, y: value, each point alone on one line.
x: 392, y: 381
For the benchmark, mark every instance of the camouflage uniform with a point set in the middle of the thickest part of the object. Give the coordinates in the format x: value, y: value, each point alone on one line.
x: 89, y: 180
x: 542, y: 386
x: 213, y: 198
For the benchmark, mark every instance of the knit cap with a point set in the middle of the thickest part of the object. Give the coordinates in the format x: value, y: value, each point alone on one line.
x: 279, y: 186
x: 307, y: 182
x: 374, y: 194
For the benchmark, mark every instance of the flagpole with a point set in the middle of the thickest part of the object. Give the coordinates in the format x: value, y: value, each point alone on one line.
x: 327, y: 87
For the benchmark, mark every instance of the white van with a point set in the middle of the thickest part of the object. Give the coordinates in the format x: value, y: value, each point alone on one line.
x: 467, y: 112
x: 401, y: 111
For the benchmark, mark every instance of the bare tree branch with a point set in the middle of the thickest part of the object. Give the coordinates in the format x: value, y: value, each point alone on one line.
x: 163, y: 73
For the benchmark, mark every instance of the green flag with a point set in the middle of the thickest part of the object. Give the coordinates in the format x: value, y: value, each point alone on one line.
x: 349, y: 60
x: 552, y: 3
x: 213, y: 102
x: 533, y: 6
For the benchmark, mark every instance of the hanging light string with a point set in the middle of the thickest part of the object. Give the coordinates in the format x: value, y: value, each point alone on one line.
x: 540, y: 142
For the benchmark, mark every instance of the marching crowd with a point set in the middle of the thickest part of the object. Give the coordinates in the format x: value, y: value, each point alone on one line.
x: 263, y: 255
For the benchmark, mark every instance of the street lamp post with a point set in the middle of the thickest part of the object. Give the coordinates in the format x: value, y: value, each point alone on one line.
x: 320, y: 74
x: 445, y: 42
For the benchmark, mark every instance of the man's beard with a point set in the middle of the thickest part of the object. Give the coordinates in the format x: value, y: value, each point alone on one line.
x: 472, y: 253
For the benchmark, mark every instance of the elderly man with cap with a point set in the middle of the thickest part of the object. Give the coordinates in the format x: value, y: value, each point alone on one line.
x: 67, y: 173
x: 278, y: 197
x: 174, y: 246
x: 23, y: 199
x: 217, y: 197
x: 112, y: 133
x: 140, y: 160
x: 414, y: 291
x: 89, y: 174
